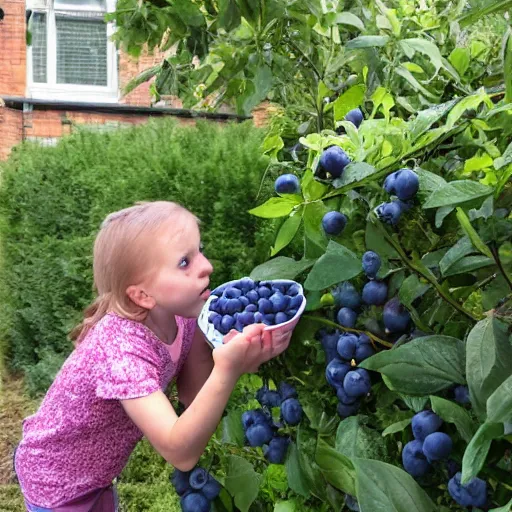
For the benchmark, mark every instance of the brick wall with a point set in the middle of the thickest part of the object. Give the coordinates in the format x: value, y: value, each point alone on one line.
x: 11, y: 130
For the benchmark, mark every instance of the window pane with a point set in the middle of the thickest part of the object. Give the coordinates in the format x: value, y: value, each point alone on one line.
x: 97, y: 5
x: 39, y: 47
x: 81, y: 50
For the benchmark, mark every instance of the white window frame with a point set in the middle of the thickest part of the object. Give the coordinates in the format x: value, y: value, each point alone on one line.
x: 53, y: 91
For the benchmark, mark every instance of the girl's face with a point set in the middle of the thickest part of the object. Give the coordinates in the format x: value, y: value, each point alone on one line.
x: 180, y: 282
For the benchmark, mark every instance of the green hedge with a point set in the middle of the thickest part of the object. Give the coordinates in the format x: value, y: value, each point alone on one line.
x: 52, y: 201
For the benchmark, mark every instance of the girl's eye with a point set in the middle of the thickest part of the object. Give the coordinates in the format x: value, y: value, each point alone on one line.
x: 183, y: 263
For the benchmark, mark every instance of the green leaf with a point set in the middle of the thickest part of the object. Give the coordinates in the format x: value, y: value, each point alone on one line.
x: 286, y: 233
x: 423, y: 366
x: 229, y: 15
x: 473, y: 235
x: 405, y: 73
x: 460, y: 59
x: 276, y: 207
x: 242, y: 482
x: 285, y: 506
x: 399, y: 426
x: 410, y: 46
x: 232, y: 429
x: 336, y: 265
x: 367, y: 42
x: 456, y: 192
x: 478, y: 448
x: 382, y: 487
x: 467, y: 103
x: 453, y: 413
x: 499, y: 404
x: 489, y: 353
x: 485, y: 8
x: 350, y: 99
x: 311, y: 188
x: 337, y: 469
x: 468, y: 264
x: 411, y: 289
x: 507, y: 66
x: 462, y: 248
x: 347, y: 18
x: 425, y: 119
x: 280, y: 268
x: 505, y: 508
x: 353, y: 173
x: 313, y: 214
x: 297, y: 478
x: 504, y: 159
x: 415, y: 403
x: 356, y: 440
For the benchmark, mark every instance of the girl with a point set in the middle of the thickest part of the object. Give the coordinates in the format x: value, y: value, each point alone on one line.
x: 152, y: 281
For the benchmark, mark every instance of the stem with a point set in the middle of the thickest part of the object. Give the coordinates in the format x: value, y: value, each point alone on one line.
x: 357, y: 331
x: 429, y: 277
x: 310, y: 62
x: 497, y: 259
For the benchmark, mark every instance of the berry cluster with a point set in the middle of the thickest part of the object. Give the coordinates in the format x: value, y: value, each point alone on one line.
x: 261, y: 430
x: 246, y: 302
x: 429, y: 444
x: 197, y: 489
x: 403, y: 184
x: 472, y: 494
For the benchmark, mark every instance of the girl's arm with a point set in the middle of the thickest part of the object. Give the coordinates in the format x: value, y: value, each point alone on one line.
x: 196, y: 369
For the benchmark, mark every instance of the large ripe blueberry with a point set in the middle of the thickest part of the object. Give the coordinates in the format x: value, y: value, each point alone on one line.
x: 290, y: 313
x: 212, y: 316
x: 344, y: 398
x: 389, y: 212
x: 217, y: 322
x: 287, y: 391
x: 333, y: 223
x: 253, y: 417
x: 396, y: 318
x: 413, y: 459
x: 462, y: 394
x: 279, y: 287
x: 226, y: 324
x: 329, y: 344
x: 214, y: 305
x: 259, y: 434
x: 287, y: 184
x: 198, y: 478
x: 403, y: 183
x: 357, y: 382
x: 258, y: 317
x: 347, y: 317
x: 253, y: 296
x: 264, y: 292
x: 437, y: 446
x: 233, y: 306
x: 221, y: 305
x: 246, y: 318
x: 268, y: 397
x: 355, y: 116
x: 335, y: 372
x: 425, y: 423
x: 346, y: 295
x: 473, y: 494
x: 245, y: 284
x: 371, y: 264
x: 269, y: 319
x: 232, y: 293
x: 275, y: 453
x: 279, y: 302
x: 180, y: 480
x: 291, y: 411
x: 334, y: 160
x: 344, y: 410
x: 195, y: 502
x: 212, y: 489
x: 281, y: 318
x: 347, y: 345
x: 295, y: 302
x: 293, y: 290
x: 265, y: 306
x: 363, y: 351
x: 375, y: 293
x: 219, y: 290
x: 244, y: 300
x: 251, y: 308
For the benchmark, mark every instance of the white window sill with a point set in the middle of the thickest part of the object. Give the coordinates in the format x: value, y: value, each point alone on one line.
x: 78, y: 94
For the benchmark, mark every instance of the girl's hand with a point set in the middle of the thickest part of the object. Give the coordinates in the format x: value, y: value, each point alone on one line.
x: 244, y: 352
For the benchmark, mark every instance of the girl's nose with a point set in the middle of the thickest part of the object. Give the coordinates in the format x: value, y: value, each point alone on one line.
x: 206, y: 268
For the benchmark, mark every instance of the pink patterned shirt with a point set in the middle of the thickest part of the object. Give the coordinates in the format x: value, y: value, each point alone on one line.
x: 80, y: 439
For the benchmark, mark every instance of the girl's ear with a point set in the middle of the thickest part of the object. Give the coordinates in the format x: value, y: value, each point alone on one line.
x: 138, y: 296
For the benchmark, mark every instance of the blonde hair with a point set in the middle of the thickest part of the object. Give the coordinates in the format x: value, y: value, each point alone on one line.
x: 121, y: 258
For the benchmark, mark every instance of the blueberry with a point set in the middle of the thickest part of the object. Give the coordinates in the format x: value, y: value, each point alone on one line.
x: 396, y: 318
x: 268, y: 398
x: 259, y: 434
x: 425, y: 423
x: 212, y: 316
x: 195, y: 502
x: 347, y: 317
x: 329, y: 344
x: 335, y: 372
x: 347, y: 345
x: 403, y: 183
x: 291, y: 411
x: 221, y: 305
x: 473, y: 494
x: 334, y: 160
x: 293, y: 290
x: 346, y: 296
x: 279, y: 287
x: 375, y: 293
x: 462, y: 394
x: 295, y: 302
x: 364, y: 339
x: 245, y: 284
x: 251, y: 308
x: 287, y: 391
x: 371, y: 264
x: 344, y: 398
x: 258, y: 318
x: 357, y: 382
x: 333, y: 223
x: 217, y: 321
x: 264, y: 292
x: 279, y: 302
x: 389, y: 212
x: 414, y: 461
x: 344, y: 411
x: 232, y: 293
x: 281, y: 318
x: 226, y: 324
x: 351, y: 503
x: 363, y: 351
x: 198, y: 478
x: 180, y: 480
x: 214, y: 305
x: 252, y: 296
x: 265, y: 306
x: 233, y: 306
x: 355, y: 116
x: 437, y: 446
x: 244, y: 301
x: 211, y: 489
x: 291, y: 313
x: 275, y: 453
x: 254, y: 417
x: 269, y: 319
x: 246, y: 318
x: 219, y: 290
